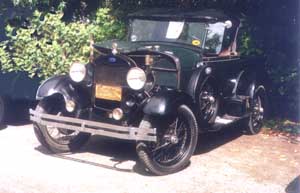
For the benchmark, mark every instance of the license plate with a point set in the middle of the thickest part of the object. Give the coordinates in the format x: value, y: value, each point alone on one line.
x: 113, y: 93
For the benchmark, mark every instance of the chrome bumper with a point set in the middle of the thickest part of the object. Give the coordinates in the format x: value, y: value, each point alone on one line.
x: 93, y: 127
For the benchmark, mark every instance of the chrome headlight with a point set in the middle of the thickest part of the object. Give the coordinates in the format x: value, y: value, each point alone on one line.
x: 136, y: 78
x: 77, y: 72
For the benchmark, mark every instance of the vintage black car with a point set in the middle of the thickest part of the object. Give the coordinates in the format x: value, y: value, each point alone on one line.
x: 177, y: 75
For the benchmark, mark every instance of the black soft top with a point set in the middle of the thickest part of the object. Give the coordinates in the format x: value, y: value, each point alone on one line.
x: 209, y: 15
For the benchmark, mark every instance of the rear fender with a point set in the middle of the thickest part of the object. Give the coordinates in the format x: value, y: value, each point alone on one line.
x: 259, y: 89
x: 253, y: 88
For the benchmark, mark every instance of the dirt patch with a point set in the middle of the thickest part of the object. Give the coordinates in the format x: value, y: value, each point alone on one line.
x: 226, y: 161
x: 266, y: 158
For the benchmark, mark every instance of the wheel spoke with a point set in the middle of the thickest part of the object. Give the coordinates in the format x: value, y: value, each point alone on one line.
x: 161, y: 147
x: 157, y: 154
x: 204, y: 106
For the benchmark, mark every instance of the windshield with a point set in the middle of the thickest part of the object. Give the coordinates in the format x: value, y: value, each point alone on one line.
x: 203, y: 35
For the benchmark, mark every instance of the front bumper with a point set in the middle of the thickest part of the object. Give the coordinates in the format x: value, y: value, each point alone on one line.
x: 93, y: 127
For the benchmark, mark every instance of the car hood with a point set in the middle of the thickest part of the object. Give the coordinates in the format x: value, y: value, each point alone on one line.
x: 188, y: 55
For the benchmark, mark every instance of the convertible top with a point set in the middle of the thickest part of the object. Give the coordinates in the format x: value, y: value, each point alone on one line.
x: 208, y: 15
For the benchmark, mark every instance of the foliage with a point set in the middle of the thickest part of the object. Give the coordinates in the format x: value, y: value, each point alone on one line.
x: 48, y: 46
x: 285, y: 129
x: 283, y: 125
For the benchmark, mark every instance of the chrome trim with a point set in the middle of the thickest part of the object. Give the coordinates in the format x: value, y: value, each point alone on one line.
x: 93, y: 127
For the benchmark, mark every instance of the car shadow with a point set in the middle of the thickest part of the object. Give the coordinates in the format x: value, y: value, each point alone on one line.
x: 212, y: 140
x: 293, y: 186
x: 121, y: 151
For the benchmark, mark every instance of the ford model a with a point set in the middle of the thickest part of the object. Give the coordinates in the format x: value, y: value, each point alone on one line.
x: 178, y: 74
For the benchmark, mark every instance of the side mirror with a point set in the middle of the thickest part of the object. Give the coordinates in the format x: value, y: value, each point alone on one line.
x: 228, y: 24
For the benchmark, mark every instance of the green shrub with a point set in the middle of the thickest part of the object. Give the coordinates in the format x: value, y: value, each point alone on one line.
x: 48, y: 45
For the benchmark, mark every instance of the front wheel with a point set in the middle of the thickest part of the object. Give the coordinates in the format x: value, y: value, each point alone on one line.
x: 176, y: 143
x: 208, y: 102
x: 58, y: 140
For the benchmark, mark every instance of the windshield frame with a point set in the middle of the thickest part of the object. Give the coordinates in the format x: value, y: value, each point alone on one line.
x: 203, y: 40
x: 130, y: 31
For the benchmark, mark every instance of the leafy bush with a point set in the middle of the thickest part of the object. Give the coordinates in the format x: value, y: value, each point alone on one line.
x: 48, y: 45
x: 283, y: 125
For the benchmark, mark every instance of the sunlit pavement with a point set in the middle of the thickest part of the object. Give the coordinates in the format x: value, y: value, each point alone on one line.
x: 224, y: 162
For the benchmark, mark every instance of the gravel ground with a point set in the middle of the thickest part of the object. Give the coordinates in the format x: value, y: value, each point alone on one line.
x: 225, y: 161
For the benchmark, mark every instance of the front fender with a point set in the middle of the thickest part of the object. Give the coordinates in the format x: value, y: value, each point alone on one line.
x: 56, y: 85
x: 166, y: 102
x: 64, y: 86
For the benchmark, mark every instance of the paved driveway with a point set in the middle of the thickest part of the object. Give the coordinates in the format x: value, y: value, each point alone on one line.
x: 224, y: 162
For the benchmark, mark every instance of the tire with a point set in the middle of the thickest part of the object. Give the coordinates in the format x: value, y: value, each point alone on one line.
x: 207, y: 101
x: 254, y: 122
x: 186, y: 127
x: 50, y: 106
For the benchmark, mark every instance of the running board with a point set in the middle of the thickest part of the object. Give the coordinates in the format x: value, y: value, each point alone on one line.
x: 225, y: 121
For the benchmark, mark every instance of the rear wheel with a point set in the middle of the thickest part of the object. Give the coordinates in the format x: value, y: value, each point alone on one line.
x: 255, y: 121
x: 177, y: 140
x: 58, y: 140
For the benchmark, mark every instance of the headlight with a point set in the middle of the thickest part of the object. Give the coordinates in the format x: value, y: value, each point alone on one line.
x: 77, y: 72
x: 136, y: 78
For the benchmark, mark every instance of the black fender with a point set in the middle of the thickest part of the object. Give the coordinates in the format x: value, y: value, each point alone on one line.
x: 197, y: 80
x: 245, y: 83
x: 64, y: 86
x: 257, y: 88
x: 254, y: 88
x: 166, y: 102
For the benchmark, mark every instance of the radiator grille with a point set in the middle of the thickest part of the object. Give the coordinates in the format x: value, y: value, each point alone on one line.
x: 110, y: 75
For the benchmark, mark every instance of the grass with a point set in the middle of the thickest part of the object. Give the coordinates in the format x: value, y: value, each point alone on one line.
x: 283, y: 126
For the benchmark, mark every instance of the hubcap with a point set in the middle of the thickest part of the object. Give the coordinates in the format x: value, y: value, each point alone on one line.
x: 207, y: 100
x: 174, y: 139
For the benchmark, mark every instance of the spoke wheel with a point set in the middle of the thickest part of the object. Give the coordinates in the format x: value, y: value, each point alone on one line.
x: 258, y: 112
x: 173, y: 144
x: 58, y: 140
x: 60, y: 135
x: 176, y: 143
x: 255, y: 121
x: 208, y: 103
